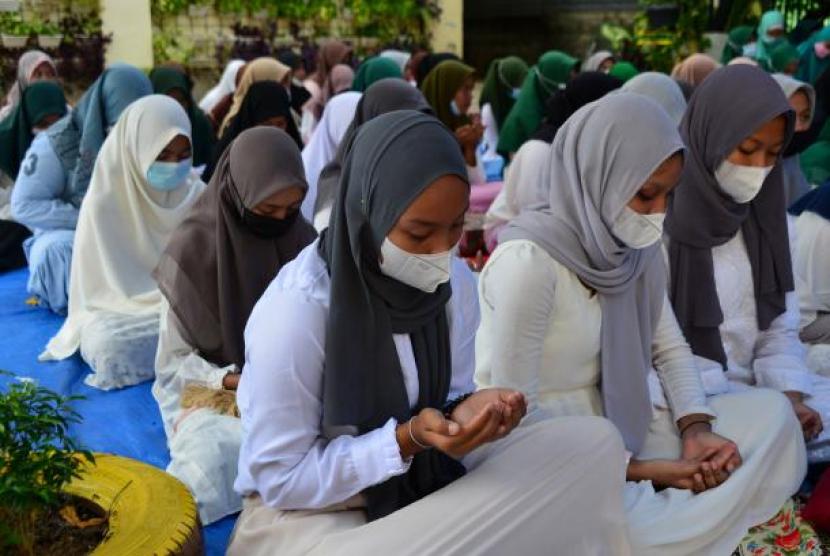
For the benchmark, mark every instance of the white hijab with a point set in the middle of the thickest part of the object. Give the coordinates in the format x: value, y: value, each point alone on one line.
x: 520, y: 191
x: 322, y: 147
x: 595, y: 60
x: 124, y: 224
x: 226, y: 86
x: 398, y: 56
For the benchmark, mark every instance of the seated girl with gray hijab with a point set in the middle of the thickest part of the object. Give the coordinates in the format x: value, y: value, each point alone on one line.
x: 729, y: 247
x: 361, y: 433
x: 575, y: 316
x: 218, y: 263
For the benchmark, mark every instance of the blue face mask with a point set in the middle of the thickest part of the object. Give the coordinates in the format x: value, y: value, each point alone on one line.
x: 167, y: 176
x: 454, y: 109
x: 515, y: 93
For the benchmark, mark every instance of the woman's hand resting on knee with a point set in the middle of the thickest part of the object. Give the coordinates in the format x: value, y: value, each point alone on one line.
x: 486, y: 416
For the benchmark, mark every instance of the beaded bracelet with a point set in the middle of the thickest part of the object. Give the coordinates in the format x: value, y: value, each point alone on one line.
x: 450, y: 406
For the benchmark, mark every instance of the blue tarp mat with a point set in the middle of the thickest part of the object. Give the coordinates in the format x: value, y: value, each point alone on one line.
x: 123, y: 422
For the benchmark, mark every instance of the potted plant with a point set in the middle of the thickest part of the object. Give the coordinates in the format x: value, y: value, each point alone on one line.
x: 38, y: 458
x: 14, y: 32
x: 56, y: 497
x: 49, y: 35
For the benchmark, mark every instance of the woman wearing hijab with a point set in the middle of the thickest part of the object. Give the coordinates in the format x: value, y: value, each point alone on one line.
x: 362, y: 439
x: 261, y: 69
x: 815, y: 160
x: 811, y: 263
x: 663, y: 90
x: 784, y: 59
x: 802, y: 98
x: 502, y: 87
x: 449, y: 90
x: 815, y: 56
x: 41, y: 105
x: 55, y: 174
x: 324, y: 143
x: 575, y: 316
x: 384, y: 96
x: 247, y: 226
x: 373, y: 70
x: 340, y: 79
x: 32, y: 67
x: 601, y: 61
x: 400, y: 58
x: 732, y: 284
x: 428, y: 62
x: 226, y: 86
x: 694, y: 69
x: 551, y: 73
x: 142, y: 188
x: 736, y: 43
x: 168, y: 80
x: 331, y: 54
x: 771, y: 33
x: 624, y: 71
x: 266, y: 103
x: 581, y: 90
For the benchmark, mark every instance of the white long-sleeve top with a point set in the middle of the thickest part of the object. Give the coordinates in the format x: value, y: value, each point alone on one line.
x: 177, y: 365
x: 773, y: 358
x: 811, y: 265
x: 491, y: 131
x: 285, y: 457
x: 540, y: 334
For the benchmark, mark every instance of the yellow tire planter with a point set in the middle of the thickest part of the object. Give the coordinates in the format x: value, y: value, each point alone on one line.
x: 151, y: 512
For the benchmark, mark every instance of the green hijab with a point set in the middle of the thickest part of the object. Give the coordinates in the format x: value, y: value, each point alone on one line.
x: 771, y: 19
x: 373, y: 70
x: 782, y: 55
x: 624, y: 71
x: 503, y: 76
x: 737, y: 39
x: 167, y: 78
x: 40, y: 99
x: 811, y: 65
x: 551, y: 73
x: 440, y: 88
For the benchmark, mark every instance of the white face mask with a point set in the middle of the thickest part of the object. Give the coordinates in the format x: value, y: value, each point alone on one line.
x: 454, y: 108
x: 424, y: 272
x: 750, y: 50
x: 742, y: 183
x: 638, y: 231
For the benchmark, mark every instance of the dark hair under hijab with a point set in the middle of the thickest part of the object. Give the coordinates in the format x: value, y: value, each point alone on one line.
x: 264, y: 100
x: 393, y: 159
x: 583, y: 89
x: 726, y: 108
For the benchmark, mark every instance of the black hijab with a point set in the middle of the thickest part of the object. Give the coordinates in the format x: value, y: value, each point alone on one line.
x: 263, y: 101
x: 583, y: 89
x: 729, y: 106
x: 392, y: 160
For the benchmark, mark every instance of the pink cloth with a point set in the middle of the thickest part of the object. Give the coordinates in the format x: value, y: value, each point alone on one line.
x: 482, y: 196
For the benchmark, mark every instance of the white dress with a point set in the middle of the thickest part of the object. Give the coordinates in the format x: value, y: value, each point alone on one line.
x: 773, y: 358
x: 540, y: 333
x: 811, y: 266
x: 204, y: 446
x: 304, y: 492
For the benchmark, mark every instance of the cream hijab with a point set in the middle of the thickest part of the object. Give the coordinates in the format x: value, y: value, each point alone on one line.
x: 261, y: 69
x: 520, y: 191
x: 124, y: 224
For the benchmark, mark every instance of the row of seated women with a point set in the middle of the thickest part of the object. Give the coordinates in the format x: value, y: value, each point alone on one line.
x: 601, y: 392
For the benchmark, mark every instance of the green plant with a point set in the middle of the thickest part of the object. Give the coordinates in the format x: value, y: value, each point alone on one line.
x: 170, y: 46
x: 662, y: 48
x: 45, y: 27
x: 11, y: 23
x: 38, y: 457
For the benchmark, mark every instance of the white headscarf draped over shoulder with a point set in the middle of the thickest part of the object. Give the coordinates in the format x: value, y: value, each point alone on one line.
x: 124, y: 224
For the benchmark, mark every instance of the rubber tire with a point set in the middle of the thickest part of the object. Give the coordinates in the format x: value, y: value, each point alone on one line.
x: 151, y: 512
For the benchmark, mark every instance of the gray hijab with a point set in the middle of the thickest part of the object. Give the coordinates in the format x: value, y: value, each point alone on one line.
x: 795, y: 182
x: 599, y: 160
x: 662, y: 89
x: 392, y: 160
x: 728, y: 106
x: 214, y: 269
x: 381, y: 97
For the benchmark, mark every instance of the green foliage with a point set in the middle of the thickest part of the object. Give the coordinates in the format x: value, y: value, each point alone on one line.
x: 662, y: 48
x: 38, y: 457
x: 171, y: 46
x: 11, y: 23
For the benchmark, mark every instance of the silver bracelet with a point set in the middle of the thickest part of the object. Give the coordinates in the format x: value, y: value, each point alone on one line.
x: 412, y: 436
